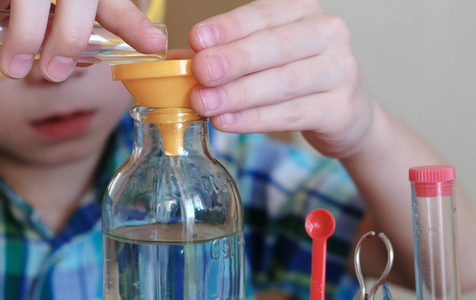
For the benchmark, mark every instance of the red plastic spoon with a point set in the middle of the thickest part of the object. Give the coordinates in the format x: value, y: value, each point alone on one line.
x: 320, y: 225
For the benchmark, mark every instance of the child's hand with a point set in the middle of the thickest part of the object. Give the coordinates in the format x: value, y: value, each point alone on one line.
x: 280, y: 65
x: 68, y: 36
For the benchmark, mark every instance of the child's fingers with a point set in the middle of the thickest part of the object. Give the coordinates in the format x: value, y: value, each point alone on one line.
x: 27, y: 26
x: 124, y: 19
x: 293, y: 115
x: 313, y: 75
x: 247, y: 19
x: 269, y: 48
x: 69, y: 35
x: 66, y: 39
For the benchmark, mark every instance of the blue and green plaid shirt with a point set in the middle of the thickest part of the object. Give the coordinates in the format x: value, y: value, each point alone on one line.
x: 279, y: 186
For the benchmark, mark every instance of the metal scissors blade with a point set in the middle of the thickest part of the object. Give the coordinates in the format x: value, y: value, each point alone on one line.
x: 363, y: 295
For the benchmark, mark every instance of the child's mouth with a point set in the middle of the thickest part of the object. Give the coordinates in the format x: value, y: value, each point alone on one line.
x: 64, y: 126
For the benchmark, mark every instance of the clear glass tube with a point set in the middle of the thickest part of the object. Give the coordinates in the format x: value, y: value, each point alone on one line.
x: 172, y: 223
x: 103, y: 47
x: 435, y: 234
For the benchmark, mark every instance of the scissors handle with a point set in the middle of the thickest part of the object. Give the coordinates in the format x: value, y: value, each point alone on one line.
x: 363, y: 295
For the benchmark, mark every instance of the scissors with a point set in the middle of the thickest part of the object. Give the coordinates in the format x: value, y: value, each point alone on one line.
x: 362, y: 294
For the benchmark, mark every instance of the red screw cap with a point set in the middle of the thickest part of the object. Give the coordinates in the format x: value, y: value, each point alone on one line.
x: 432, y: 181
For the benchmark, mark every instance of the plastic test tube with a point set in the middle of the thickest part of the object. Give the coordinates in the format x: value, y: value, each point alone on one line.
x: 434, y: 232
x: 103, y: 47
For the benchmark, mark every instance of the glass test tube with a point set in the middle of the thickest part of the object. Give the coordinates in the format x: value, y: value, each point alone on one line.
x: 103, y: 47
x: 434, y: 233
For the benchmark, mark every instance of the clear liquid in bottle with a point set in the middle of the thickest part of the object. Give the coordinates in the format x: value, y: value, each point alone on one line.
x: 202, y: 270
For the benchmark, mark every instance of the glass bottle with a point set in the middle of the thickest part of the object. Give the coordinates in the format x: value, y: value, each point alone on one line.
x: 172, y: 214
x: 434, y: 233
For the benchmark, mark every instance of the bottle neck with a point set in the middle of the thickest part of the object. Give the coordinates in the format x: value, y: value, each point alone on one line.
x: 170, y: 131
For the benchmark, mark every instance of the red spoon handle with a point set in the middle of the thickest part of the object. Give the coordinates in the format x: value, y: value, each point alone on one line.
x: 318, y: 275
x: 320, y: 225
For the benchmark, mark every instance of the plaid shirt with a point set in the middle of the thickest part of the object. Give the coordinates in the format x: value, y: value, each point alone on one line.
x: 279, y: 186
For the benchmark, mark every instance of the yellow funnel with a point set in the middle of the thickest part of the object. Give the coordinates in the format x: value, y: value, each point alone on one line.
x: 162, y: 84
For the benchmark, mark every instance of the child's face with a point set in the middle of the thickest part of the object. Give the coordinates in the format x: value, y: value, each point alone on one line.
x: 48, y: 123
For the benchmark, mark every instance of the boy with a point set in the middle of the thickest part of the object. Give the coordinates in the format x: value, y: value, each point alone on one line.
x: 264, y: 67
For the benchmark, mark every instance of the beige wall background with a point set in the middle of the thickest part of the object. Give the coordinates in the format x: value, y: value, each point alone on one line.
x: 418, y: 57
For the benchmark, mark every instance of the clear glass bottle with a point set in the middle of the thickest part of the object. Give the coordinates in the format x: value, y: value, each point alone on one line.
x: 172, y: 214
x: 434, y: 233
